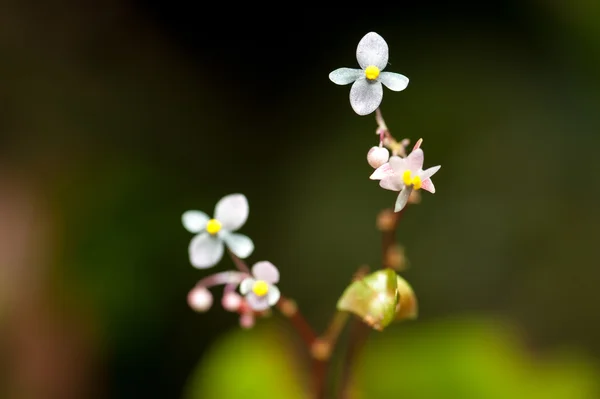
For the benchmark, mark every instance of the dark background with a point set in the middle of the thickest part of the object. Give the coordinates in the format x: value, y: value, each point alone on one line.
x: 117, y: 116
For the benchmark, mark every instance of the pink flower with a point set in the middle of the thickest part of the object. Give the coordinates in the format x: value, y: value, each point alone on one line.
x: 405, y: 175
x: 260, y: 290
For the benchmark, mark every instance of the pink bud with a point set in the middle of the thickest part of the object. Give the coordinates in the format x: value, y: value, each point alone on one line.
x: 231, y: 301
x: 377, y: 156
x: 247, y: 320
x: 200, y: 299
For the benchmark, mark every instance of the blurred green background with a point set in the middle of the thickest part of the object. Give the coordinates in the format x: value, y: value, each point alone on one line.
x: 118, y: 116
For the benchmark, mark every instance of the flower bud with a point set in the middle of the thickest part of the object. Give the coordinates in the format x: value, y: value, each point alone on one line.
x: 377, y: 156
x: 200, y: 299
x: 247, y: 320
x: 231, y: 301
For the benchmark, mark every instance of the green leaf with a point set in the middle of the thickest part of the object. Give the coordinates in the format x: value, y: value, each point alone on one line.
x: 256, y: 363
x: 373, y: 298
x: 468, y: 358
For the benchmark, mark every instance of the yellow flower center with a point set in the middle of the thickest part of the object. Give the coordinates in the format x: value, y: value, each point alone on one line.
x: 260, y: 288
x: 411, y: 181
x: 213, y: 226
x: 371, y: 72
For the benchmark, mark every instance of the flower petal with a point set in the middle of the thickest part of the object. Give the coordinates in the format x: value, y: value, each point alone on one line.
x: 232, y: 211
x: 398, y: 164
x: 393, y: 183
x: 241, y: 245
x: 402, y: 198
x: 194, y: 221
x: 427, y: 185
x: 393, y: 81
x: 365, y: 96
x: 265, y: 271
x: 414, y: 160
x: 384, y: 170
x: 205, y: 251
x: 256, y: 302
x: 427, y: 173
x: 246, y: 285
x: 372, y: 50
x: 273, y: 295
x: 345, y: 76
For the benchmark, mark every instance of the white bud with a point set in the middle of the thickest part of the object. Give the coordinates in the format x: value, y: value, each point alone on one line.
x: 231, y: 301
x: 377, y: 156
x: 200, y: 299
x: 247, y: 320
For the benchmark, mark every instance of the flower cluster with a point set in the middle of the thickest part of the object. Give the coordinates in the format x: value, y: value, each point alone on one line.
x: 256, y: 286
x: 396, y: 173
x: 378, y: 298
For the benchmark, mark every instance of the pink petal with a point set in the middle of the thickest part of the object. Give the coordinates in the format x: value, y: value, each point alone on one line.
x: 427, y: 185
x: 382, y: 171
x: 391, y: 183
x: 265, y: 271
x: 398, y: 164
x: 417, y: 144
x: 427, y: 173
x: 414, y: 160
x: 402, y: 198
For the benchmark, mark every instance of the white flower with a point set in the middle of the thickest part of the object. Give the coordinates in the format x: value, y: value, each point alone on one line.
x: 206, y: 248
x: 405, y: 175
x: 259, y: 290
x: 366, y: 92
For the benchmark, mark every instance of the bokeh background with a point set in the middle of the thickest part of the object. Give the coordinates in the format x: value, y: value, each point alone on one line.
x: 117, y: 116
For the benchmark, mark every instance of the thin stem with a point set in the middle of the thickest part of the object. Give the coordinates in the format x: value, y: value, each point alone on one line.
x: 227, y: 278
x: 289, y: 309
x: 337, y: 324
x: 240, y: 264
x: 359, y: 333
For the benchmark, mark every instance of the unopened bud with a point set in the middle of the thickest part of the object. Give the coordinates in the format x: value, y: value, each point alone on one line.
x: 377, y: 156
x: 247, y: 320
x: 321, y: 349
x: 231, y: 301
x: 395, y: 258
x: 415, y: 197
x: 200, y: 299
x: 386, y: 220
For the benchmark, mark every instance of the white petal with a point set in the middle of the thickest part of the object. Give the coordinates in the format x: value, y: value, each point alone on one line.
x: 427, y: 185
x: 398, y: 164
x: 205, y: 251
x: 246, y: 285
x: 265, y: 271
x: 372, y: 50
x: 384, y: 170
x: 393, y: 183
x: 194, y: 221
x: 414, y: 160
x: 402, y: 198
x: 256, y: 302
x: 345, y: 76
x: 427, y: 173
x: 393, y: 81
x: 273, y: 295
x: 365, y: 96
x: 232, y: 211
x: 241, y: 245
